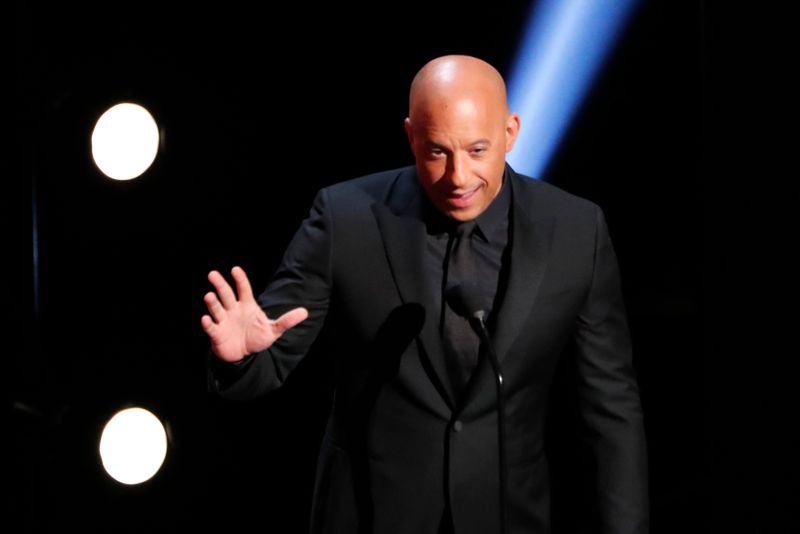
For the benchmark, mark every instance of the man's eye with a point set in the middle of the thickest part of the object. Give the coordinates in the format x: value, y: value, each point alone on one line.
x: 437, y: 151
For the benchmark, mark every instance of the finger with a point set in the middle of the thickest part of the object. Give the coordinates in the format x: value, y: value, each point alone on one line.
x: 224, y: 290
x: 208, y: 324
x: 289, y: 320
x: 242, y: 284
x: 214, y: 306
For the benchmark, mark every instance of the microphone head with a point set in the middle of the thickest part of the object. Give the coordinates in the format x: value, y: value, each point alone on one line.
x: 464, y: 302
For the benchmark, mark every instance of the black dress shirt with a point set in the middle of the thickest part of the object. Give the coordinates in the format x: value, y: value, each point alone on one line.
x: 489, y: 243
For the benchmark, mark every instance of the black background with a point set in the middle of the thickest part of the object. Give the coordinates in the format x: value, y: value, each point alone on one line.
x: 260, y: 107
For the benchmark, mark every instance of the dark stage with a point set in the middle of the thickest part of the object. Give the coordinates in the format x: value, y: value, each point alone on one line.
x: 256, y: 104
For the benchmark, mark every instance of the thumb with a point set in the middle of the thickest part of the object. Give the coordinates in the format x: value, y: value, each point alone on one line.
x: 290, y: 319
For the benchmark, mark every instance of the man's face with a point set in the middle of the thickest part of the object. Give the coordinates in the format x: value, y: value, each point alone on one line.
x: 460, y: 147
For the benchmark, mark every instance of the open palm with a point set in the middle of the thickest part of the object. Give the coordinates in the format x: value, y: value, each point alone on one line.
x: 238, y: 327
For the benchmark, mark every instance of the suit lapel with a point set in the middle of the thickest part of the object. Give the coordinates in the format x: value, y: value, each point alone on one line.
x: 401, y: 224
x: 400, y: 221
x: 530, y: 249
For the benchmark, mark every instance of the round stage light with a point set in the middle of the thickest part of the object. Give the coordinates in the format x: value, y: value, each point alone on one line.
x: 125, y: 141
x: 133, y: 445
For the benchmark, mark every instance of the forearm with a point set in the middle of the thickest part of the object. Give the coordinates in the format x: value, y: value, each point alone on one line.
x: 303, y: 280
x: 255, y: 375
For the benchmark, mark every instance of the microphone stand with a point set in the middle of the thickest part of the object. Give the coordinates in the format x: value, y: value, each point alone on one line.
x: 477, y: 320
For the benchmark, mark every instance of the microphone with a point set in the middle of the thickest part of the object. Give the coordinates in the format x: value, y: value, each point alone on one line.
x: 468, y: 305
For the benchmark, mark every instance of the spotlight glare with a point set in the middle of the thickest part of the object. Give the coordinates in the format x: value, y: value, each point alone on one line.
x: 133, y: 446
x: 125, y: 141
x: 564, y: 47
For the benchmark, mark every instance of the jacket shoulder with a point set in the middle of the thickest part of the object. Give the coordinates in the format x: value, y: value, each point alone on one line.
x: 546, y: 199
x: 369, y: 188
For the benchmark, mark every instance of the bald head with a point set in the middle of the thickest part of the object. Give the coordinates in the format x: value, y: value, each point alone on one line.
x: 454, y: 78
x: 460, y: 129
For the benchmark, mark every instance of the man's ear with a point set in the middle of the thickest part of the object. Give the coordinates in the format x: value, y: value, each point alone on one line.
x: 409, y: 132
x: 512, y: 130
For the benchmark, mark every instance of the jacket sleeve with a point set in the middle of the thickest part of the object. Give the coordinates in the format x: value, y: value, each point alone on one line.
x: 302, y: 279
x: 609, y: 402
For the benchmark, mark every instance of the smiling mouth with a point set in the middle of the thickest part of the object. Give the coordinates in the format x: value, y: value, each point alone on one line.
x: 462, y: 199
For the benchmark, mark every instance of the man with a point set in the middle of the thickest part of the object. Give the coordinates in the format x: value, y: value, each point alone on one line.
x: 411, y: 445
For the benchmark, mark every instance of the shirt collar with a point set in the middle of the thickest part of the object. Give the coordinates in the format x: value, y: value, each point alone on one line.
x: 495, y: 217
x: 493, y: 220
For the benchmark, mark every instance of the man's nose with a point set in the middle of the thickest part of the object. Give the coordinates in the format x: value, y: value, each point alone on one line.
x: 457, y: 171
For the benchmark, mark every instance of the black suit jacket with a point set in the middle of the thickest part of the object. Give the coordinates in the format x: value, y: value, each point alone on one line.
x: 397, y: 444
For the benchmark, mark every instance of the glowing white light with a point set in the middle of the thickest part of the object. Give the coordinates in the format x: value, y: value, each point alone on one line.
x: 125, y: 141
x: 564, y: 46
x: 133, y: 446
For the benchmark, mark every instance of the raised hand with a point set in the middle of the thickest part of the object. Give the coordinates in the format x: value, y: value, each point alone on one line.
x: 238, y: 327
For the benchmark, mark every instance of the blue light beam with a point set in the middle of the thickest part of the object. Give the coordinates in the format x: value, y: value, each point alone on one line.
x: 563, y: 49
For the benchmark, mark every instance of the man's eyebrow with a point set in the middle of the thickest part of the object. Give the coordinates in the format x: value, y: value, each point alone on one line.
x: 481, y: 141
x: 434, y: 144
